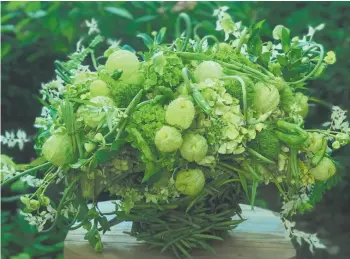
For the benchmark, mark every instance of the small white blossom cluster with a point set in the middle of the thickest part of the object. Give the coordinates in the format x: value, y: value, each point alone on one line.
x: 7, y: 170
x: 340, y: 126
x: 11, y: 139
x: 53, y: 89
x: 93, y: 26
x: 289, y: 208
x: 40, y: 220
x: 311, y: 239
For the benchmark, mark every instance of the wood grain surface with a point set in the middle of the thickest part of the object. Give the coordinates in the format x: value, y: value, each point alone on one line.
x: 260, y: 237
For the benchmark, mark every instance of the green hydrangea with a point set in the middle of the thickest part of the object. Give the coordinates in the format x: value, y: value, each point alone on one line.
x: 234, y: 88
x: 169, y: 75
x: 266, y: 143
x: 150, y: 118
x: 168, y: 139
x: 123, y: 93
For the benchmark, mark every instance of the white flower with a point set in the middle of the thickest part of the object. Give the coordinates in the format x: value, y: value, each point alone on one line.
x: 113, y: 43
x: 79, y: 46
x: 31, y: 180
x: 93, y: 27
x: 312, y: 31
x: 220, y: 10
x: 10, y: 139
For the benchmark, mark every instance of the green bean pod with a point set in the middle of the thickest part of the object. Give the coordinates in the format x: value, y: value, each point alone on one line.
x: 200, y: 101
x: 320, y: 154
x: 290, y: 139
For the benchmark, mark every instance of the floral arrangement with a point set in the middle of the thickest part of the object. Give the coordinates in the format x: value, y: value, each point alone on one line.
x: 180, y: 134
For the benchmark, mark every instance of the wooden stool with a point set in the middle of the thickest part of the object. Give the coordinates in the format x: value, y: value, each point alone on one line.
x: 260, y: 237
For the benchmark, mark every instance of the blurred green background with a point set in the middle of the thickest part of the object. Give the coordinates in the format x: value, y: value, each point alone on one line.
x: 34, y: 34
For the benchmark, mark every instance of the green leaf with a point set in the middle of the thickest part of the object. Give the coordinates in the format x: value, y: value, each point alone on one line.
x: 254, y: 41
x: 79, y: 164
x: 146, y: 18
x: 146, y: 39
x: 282, y: 60
x: 5, y: 49
x: 7, y: 28
x: 159, y: 62
x: 254, y: 188
x: 19, y: 186
x: 285, y: 40
x: 122, y: 12
x: 151, y: 169
x: 102, y: 155
x: 265, y: 58
x: 160, y: 35
x: 104, y: 223
x: 91, y: 233
x: 129, y: 48
x: 117, y: 144
x: 38, y: 14
x: 244, y: 184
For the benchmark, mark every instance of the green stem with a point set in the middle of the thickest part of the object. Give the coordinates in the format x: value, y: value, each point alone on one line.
x: 12, y: 198
x: 233, y: 65
x: 241, y: 41
x: 324, y: 103
x: 319, y: 63
x: 259, y: 156
x: 60, y: 206
x: 209, y: 37
x: 186, y: 18
x: 128, y: 112
x: 244, y: 94
x: 16, y: 177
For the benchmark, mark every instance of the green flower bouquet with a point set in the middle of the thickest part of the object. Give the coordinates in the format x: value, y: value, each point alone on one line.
x: 180, y: 134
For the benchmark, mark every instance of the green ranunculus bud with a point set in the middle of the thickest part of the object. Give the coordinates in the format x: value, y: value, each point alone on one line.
x: 168, y: 139
x: 277, y: 32
x: 44, y: 200
x: 98, y: 246
x: 314, y: 142
x: 58, y: 149
x: 194, y: 147
x: 94, y: 115
x: 99, y: 88
x: 207, y: 69
x: 324, y: 169
x: 301, y: 101
x: 266, y: 98
x: 89, y: 146
x: 33, y: 205
x: 180, y: 113
x: 190, y: 182
x: 25, y: 200
x: 125, y: 61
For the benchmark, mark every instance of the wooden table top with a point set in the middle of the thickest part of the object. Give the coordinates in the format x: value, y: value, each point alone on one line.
x: 260, y: 237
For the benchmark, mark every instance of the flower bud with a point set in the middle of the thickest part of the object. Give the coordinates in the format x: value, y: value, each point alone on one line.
x: 180, y: 113
x: 194, y: 147
x: 99, y: 88
x: 123, y: 60
x: 33, y: 205
x: 168, y: 139
x: 207, y: 69
x: 58, y: 149
x: 190, y: 182
x: 44, y: 200
x: 266, y: 98
x: 89, y: 146
x: 301, y: 101
x: 324, y: 169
